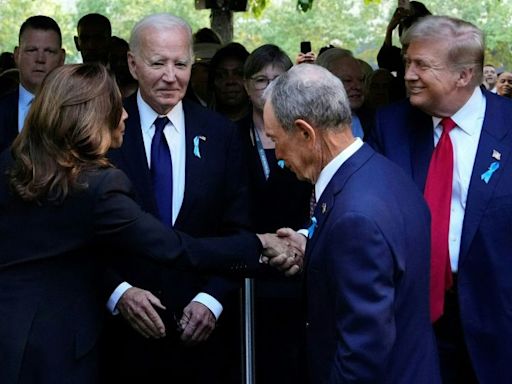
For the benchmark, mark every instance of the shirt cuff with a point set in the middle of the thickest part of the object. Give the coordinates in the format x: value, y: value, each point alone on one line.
x: 116, y: 295
x: 210, y: 302
x: 304, y: 232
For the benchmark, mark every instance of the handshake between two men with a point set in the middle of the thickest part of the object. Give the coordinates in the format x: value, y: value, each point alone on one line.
x: 283, y: 250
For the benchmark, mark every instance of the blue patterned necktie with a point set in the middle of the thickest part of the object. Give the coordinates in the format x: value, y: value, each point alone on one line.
x: 161, y: 171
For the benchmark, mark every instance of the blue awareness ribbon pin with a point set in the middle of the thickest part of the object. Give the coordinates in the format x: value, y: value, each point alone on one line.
x: 486, y: 176
x: 311, y: 228
x: 196, y: 145
x: 280, y: 164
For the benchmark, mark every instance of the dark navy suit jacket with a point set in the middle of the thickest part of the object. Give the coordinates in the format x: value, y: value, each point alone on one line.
x: 404, y: 134
x: 367, y: 279
x: 8, y: 119
x: 215, y: 200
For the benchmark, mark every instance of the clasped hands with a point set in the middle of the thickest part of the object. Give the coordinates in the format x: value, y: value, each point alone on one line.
x: 138, y: 307
x: 284, y: 250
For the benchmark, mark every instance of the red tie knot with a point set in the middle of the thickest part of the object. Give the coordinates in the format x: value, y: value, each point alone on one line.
x: 448, y: 124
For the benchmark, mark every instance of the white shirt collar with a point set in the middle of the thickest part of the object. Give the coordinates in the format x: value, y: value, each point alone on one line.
x: 465, y: 117
x: 332, y: 167
x: 148, y: 115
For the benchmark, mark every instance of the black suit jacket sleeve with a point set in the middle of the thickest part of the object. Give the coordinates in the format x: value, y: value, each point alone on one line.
x: 120, y: 223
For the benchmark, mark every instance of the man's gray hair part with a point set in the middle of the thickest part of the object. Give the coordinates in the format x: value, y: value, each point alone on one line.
x: 161, y: 22
x: 466, y: 48
x: 311, y: 93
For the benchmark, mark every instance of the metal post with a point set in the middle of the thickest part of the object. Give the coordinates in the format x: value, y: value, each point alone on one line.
x: 248, y: 333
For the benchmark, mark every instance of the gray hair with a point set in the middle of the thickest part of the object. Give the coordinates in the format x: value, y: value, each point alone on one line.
x: 328, y: 58
x: 311, y: 93
x: 466, y: 48
x: 160, y: 22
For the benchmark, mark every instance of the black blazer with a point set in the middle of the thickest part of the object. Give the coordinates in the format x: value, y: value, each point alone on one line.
x: 50, y: 264
x: 8, y: 118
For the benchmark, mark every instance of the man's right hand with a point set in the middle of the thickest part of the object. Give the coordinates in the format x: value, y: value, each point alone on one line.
x: 137, y: 307
x: 281, y: 254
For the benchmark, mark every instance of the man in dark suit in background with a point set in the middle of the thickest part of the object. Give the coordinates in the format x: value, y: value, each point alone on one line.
x: 470, y: 297
x: 367, y: 259
x: 209, y: 198
x: 39, y: 51
x: 93, y: 38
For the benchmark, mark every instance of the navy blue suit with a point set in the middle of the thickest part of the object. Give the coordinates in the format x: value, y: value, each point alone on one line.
x: 215, y: 203
x: 404, y: 135
x: 8, y: 119
x: 367, y: 278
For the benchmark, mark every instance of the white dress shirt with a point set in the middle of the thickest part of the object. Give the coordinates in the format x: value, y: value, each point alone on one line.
x: 464, y: 137
x: 174, y: 133
x: 332, y: 167
x: 329, y: 170
x: 24, y: 101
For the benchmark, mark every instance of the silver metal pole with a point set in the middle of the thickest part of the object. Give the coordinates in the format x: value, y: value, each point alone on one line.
x: 248, y: 335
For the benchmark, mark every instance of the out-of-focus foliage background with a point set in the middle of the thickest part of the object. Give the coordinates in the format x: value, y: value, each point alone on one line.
x: 358, y: 25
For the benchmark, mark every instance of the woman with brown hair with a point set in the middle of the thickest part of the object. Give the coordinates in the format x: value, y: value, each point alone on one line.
x: 61, y: 207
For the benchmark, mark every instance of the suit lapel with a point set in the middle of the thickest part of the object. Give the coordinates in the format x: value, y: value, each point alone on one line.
x: 134, y: 154
x: 195, y: 167
x: 326, y: 202
x: 494, y: 130
x: 422, y: 139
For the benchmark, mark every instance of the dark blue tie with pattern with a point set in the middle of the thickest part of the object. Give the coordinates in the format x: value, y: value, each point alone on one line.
x: 161, y: 171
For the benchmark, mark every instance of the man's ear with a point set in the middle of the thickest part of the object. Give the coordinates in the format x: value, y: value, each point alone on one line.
x: 132, y: 65
x: 77, y: 46
x: 62, y: 56
x: 305, y: 130
x: 16, y: 55
x: 465, y: 77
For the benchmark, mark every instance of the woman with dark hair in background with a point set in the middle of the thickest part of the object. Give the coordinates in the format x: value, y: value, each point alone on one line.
x: 226, y: 82
x: 504, y: 84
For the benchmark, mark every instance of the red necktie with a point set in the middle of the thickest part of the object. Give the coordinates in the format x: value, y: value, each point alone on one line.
x: 438, y: 193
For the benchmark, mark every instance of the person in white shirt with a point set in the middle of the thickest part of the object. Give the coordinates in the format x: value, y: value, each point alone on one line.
x: 470, y: 299
x: 209, y: 197
x: 490, y: 78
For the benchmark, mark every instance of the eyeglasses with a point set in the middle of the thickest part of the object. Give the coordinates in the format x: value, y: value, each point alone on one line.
x: 261, y: 82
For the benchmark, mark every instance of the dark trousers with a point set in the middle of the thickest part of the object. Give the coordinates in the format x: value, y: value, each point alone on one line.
x: 456, y: 367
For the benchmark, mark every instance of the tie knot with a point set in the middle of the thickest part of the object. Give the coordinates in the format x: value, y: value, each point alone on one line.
x: 160, y: 123
x: 448, y: 124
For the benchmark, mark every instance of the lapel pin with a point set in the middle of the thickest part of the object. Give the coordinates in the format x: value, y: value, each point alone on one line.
x: 196, y: 145
x: 324, y: 207
x: 486, y: 176
x: 496, y: 155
